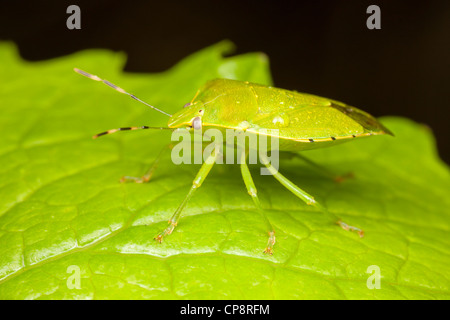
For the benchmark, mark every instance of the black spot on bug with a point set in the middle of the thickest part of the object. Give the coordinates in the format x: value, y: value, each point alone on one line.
x: 365, y: 120
x: 333, y: 138
x: 311, y: 140
x: 127, y: 128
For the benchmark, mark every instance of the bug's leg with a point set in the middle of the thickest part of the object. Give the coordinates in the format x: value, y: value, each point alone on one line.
x: 345, y: 226
x: 306, y: 197
x: 148, y: 175
x: 253, y: 193
x: 324, y: 170
x: 201, y: 176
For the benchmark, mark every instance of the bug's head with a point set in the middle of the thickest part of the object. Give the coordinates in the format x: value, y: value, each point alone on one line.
x: 188, y: 117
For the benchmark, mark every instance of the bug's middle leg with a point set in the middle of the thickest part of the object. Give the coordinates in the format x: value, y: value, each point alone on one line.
x: 253, y: 193
x: 201, y: 176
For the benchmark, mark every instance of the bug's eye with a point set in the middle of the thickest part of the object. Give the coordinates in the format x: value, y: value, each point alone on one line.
x: 197, y: 123
x: 187, y: 105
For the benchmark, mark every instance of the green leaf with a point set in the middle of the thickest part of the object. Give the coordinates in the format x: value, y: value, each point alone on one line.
x: 63, y: 210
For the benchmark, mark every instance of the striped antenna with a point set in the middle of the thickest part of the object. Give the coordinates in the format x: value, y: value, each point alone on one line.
x: 127, y: 129
x: 112, y: 85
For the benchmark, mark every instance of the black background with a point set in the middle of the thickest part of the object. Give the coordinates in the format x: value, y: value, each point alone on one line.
x: 320, y: 47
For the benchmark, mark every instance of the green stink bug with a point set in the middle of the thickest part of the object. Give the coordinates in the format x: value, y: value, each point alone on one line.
x: 302, y: 121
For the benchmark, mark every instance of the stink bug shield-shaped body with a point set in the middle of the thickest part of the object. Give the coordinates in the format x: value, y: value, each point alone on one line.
x: 302, y: 121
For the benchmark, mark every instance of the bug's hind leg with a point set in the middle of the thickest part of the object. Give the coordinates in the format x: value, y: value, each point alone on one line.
x: 201, y: 176
x: 253, y: 193
x: 306, y: 197
x: 148, y: 175
x: 332, y: 175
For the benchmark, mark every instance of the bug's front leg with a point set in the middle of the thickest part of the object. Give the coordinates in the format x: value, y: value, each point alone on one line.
x: 306, y: 197
x: 347, y: 227
x: 253, y: 193
x: 148, y: 175
x: 201, y: 176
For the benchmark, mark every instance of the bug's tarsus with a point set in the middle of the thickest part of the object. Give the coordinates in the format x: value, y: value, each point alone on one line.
x: 117, y: 88
x: 159, y: 237
x: 341, y: 178
x: 347, y: 227
x: 270, y: 243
